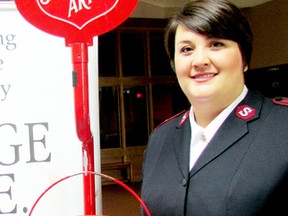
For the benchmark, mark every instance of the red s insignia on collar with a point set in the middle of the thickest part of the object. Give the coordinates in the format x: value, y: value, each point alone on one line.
x: 245, y: 112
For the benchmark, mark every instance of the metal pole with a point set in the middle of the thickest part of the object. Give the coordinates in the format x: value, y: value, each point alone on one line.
x: 81, y: 100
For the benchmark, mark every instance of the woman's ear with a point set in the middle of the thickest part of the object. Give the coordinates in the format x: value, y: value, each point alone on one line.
x: 246, y: 68
x: 172, y: 63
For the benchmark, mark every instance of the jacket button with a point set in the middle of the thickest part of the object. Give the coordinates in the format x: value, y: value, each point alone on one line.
x: 184, y: 182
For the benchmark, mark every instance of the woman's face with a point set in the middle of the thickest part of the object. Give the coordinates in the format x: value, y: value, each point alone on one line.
x: 208, y: 69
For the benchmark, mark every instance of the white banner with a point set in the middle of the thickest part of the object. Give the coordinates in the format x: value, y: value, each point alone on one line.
x: 38, y: 141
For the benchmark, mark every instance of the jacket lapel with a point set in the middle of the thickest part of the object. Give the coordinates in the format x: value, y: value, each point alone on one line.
x: 221, y: 142
x: 233, y: 128
x: 181, y: 144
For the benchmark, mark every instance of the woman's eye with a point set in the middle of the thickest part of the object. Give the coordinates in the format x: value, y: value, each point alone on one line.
x: 186, y: 49
x: 217, y: 44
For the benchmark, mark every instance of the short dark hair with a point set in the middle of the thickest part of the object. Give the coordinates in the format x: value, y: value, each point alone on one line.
x: 215, y: 18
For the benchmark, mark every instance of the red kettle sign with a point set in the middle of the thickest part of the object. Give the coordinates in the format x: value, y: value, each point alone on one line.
x: 77, y: 21
x: 78, y: 13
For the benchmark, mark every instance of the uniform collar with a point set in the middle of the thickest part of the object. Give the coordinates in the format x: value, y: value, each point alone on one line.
x: 230, y: 131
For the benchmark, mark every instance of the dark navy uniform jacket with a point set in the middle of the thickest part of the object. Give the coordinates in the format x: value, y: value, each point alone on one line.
x: 242, y: 172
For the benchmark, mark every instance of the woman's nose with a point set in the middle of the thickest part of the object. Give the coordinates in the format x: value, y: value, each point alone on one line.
x: 200, y: 58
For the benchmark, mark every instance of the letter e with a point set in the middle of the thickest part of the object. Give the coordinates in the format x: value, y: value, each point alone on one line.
x: 8, y: 192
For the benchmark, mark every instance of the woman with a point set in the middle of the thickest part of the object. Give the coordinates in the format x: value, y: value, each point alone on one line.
x: 227, y: 155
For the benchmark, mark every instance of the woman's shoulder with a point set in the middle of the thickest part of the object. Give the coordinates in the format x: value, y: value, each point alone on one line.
x: 277, y: 110
x: 177, y: 120
x: 281, y: 101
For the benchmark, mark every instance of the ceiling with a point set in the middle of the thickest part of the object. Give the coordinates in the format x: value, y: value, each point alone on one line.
x: 180, y: 3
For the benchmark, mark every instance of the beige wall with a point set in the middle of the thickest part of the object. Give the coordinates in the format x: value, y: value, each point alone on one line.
x: 269, y: 22
x: 144, y: 10
x: 270, y: 27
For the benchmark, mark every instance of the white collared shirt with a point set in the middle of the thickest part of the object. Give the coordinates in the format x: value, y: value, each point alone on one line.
x: 200, y: 137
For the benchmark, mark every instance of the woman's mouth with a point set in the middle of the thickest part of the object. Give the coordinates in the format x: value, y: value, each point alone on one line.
x: 204, y: 76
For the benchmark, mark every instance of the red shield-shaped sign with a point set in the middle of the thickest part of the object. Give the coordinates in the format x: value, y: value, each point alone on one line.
x: 75, y: 12
x: 78, y: 21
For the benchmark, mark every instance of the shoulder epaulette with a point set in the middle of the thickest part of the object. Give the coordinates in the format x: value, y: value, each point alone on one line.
x: 185, y: 116
x: 283, y: 101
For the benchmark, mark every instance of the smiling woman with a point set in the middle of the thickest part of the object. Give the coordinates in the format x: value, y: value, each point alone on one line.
x: 218, y: 158
x: 204, y: 65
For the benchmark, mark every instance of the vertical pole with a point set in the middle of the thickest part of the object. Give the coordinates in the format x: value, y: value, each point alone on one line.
x: 81, y: 100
